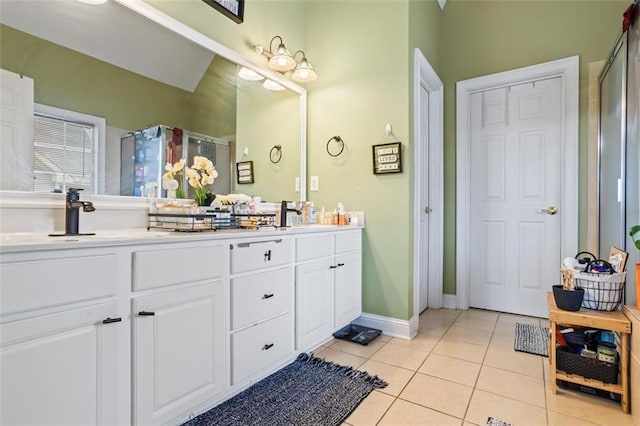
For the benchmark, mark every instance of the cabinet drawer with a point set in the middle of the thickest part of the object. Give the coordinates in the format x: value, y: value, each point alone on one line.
x: 258, y: 347
x: 348, y: 241
x: 159, y: 268
x: 45, y: 283
x: 314, y: 247
x: 260, y: 296
x: 254, y: 254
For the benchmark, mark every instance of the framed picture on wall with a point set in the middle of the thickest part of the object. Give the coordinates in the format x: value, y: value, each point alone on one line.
x: 387, y: 158
x: 233, y: 9
x: 245, y: 172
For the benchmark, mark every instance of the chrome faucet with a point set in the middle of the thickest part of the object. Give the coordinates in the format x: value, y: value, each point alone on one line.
x: 72, y: 213
x: 284, y: 208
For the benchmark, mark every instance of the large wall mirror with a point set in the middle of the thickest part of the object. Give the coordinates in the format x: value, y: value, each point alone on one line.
x: 135, y: 68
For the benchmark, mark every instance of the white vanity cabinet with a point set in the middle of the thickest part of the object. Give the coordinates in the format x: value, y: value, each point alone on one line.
x: 328, y: 285
x: 59, y: 338
x: 261, y: 299
x: 179, y: 349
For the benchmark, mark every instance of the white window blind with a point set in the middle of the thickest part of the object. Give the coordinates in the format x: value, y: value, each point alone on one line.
x: 62, y: 154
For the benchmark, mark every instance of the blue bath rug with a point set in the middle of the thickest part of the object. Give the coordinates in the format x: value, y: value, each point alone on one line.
x: 309, y: 391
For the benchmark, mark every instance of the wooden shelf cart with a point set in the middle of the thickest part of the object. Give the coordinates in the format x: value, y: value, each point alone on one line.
x: 615, y: 321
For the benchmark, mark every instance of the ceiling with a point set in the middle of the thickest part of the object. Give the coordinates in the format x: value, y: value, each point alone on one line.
x: 114, y: 34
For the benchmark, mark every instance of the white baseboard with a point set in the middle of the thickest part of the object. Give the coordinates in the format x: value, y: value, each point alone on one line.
x: 449, y: 301
x: 404, y: 329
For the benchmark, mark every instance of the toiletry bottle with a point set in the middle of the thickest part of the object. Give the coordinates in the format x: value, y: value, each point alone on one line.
x: 312, y: 213
x: 334, y: 217
x: 341, y: 220
x: 323, y: 219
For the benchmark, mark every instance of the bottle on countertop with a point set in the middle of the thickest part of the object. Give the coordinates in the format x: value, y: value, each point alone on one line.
x: 312, y: 213
x: 340, y: 218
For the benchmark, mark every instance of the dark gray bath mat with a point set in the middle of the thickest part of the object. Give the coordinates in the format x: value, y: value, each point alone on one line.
x: 532, y: 339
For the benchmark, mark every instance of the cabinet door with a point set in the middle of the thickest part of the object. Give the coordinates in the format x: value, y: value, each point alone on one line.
x: 314, y: 303
x: 61, y: 368
x: 348, y: 288
x: 179, y: 352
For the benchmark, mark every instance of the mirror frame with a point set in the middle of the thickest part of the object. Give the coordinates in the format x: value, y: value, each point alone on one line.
x: 189, y: 33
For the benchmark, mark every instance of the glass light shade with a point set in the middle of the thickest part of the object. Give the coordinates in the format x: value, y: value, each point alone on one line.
x: 249, y: 75
x: 281, y: 60
x: 272, y: 85
x: 304, y: 72
x: 93, y: 1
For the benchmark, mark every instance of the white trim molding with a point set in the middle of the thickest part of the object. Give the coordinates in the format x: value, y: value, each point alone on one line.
x: 425, y: 76
x: 567, y: 69
x: 404, y: 329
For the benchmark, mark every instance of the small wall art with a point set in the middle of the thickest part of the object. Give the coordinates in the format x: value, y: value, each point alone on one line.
x: 233, y: 9
x: 387, y: 158
x: 245, y: 172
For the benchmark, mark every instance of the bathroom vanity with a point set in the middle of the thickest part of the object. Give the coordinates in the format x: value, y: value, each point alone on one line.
x: 155, y: 327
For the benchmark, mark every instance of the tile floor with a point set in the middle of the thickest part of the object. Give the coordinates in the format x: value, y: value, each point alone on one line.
x: 461, y: 369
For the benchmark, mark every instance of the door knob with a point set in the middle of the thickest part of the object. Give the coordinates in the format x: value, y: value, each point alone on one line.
x: 551, y: 210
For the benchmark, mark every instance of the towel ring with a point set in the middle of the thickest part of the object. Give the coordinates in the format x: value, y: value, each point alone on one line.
x: 277, y: 156
x: 339, y: 140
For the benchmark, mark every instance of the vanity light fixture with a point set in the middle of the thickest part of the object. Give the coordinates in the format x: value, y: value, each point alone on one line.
x: 249, y: 74
x: 272, y: 85
x: 304, y: 72
x: 93, y: 2
x: 282, y: 60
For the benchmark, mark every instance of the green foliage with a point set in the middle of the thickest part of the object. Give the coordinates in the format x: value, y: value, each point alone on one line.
x: 632, y: 233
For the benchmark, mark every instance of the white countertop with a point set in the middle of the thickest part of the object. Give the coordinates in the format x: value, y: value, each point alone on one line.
x: 31, y: 241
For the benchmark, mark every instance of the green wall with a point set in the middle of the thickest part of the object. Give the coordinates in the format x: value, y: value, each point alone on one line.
x: 485, y: 37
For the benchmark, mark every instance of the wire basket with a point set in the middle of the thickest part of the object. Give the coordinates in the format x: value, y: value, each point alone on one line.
x: 602, y: 292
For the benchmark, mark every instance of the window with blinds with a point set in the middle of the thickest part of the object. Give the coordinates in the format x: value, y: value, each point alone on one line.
x: 63, y: 155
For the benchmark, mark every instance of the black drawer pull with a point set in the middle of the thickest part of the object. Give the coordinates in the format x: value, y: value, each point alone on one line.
x: 340, y: 264
x: 110, y: 320
x: 267, y: 347
x: 267, y: 255
x: 267, y: 296
x: 332, y: 267
x: 146, y: 314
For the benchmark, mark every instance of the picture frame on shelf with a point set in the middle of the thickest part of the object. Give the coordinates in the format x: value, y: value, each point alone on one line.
x: 244, y: 172
x: 387, y: 158
x: 233, y: 9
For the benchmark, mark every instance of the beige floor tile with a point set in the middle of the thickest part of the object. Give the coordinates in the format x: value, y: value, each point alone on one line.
x: 441, y: 395
x: 434, y: 324
x: 481, y: 314
x: 384, y: 338
x: 469, y: 335
x: 341, y: 358
x: 502, y: 341
x: 451, y: 314
x: 586, y: 407
x: 461, y: 350
x: 400, y: 356
x: 513, y: 319
x: 456, y: 370
x: 518, y: 362
x: 512, y: 385
x: 506, y: 328
x: 557, y: 419
x: 353, y: 348
x: 406, y: 413
x: 422, y: 342
x: 371, y: 409
x: 475, y: 323
x: 396, y: 377
x: 484, y: 405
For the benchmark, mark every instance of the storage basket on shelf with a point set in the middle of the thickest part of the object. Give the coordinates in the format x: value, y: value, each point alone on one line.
x: 602, y: 291
x: 589, y: 368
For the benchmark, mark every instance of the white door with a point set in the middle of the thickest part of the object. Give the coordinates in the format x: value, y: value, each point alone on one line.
x: 179, y: 352
x: 424, y: 208
x: 515, y: 196
x: 61, y: 369
x: 16, y: 126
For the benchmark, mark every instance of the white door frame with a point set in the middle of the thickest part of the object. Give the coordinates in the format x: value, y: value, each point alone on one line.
x: 567, y: 69
x: 424, y: 75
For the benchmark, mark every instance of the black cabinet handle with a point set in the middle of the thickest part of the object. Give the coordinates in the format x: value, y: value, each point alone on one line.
x: 146, y: 314
x: 267, y: 296
x: 332, y: 267
x: 340, y: 264
x: 267, y: 347
x: 110, y: 320
x: 267, y: 255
